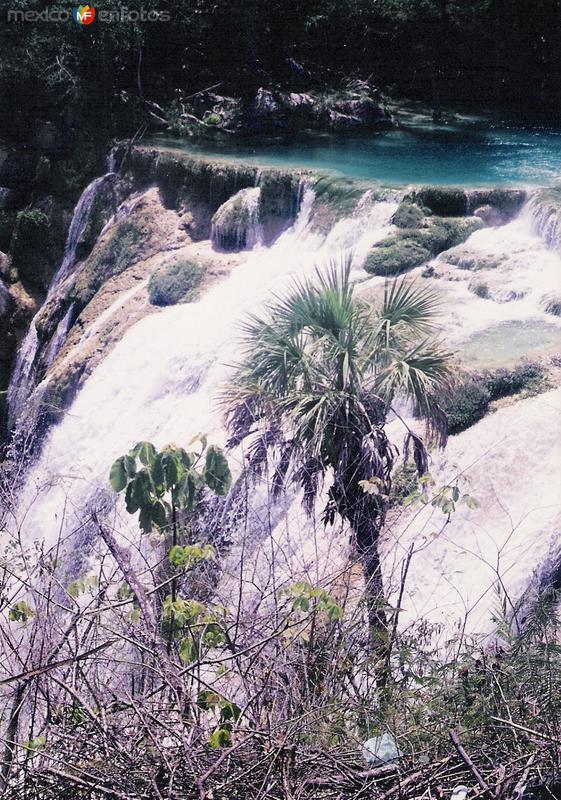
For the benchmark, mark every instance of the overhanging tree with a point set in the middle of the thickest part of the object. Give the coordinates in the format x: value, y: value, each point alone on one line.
x: 314, y: 390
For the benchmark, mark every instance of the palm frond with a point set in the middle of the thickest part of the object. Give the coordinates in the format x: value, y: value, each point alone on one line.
x: 408, y: 306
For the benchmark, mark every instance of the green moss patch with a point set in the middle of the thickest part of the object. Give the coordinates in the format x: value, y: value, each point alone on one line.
x: 174, y: 283
x: 119, y: 248
x: 470, y: 400
x: 408, y: 215
x: 411, y: 247
x: 395, y: 255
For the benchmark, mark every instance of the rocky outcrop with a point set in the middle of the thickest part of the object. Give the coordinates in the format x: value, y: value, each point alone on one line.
x: 235, y: 225
x: 197, y: 188
x: 272, y: 111
x: 419, y: 238
x: 448, y: 201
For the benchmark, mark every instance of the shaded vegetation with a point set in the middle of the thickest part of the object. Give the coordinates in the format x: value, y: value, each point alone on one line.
x: 471, y: 398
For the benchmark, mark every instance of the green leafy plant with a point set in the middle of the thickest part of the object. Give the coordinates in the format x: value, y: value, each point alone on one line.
x: 157, y: 484
x: 20, y: 612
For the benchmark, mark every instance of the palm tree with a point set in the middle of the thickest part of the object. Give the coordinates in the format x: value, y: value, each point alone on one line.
x: 315, y: 388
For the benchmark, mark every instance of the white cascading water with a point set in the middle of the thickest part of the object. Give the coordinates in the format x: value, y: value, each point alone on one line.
x: 463, y: 569
x: 235, y: 225
x: 24, y: 376
x: 163, y: 380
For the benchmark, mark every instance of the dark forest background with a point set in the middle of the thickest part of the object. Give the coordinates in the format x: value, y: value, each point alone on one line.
x: 489, y: 53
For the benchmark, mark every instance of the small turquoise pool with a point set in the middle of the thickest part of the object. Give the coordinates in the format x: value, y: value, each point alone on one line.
x: 508, y: 342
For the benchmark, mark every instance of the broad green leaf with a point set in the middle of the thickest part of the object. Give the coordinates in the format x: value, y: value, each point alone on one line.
x: 130, y: 465
x: 177, y: 556
x: 470, y: 502
x: 217, y: 473
x: 33, y: 745
x: 118, y: 475
x: 213, y: 635
x: 159, y: 514
x: 145, y: 519
x: 130, y: 502
x: 188, y: 650
x: 145, y: 451
x: 220, y: 738
x: 142, y: 489
x: 208, y: 699
x: 229, y: 711
x: 124, y: 591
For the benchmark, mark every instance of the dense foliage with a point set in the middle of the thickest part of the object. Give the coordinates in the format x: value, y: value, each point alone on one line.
x: 440, y: 51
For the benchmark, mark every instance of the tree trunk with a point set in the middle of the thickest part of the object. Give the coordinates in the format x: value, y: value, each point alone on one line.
x: 366, y: 533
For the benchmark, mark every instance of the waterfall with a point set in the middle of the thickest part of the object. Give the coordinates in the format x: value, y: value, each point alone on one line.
x: 162, y: 381
x: 462, y: 568
x: 235, y: 226
x: 25, y: 374
x: 542, y: 214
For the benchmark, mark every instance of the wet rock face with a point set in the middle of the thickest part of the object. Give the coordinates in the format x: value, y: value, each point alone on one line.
x: 490, y: 215
x: 447, y: 201
x: 507, y: 201
x: 38, y: 242
x: 235, y: 226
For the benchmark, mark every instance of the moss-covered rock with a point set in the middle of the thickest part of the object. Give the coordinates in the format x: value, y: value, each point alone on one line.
x: 235, y: 226
x: 408, y: 215
x: 475, y: 261
x: 144, y: 231
x: 413, y: 246
x: 395, y: 255
x: 174, y: 283
x: 121, y: 247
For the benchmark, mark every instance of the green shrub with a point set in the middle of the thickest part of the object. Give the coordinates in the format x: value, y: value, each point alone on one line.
x: 394, y: 255
x: 468, y: 402
x: 527, y: 375
x: 174, y: 283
